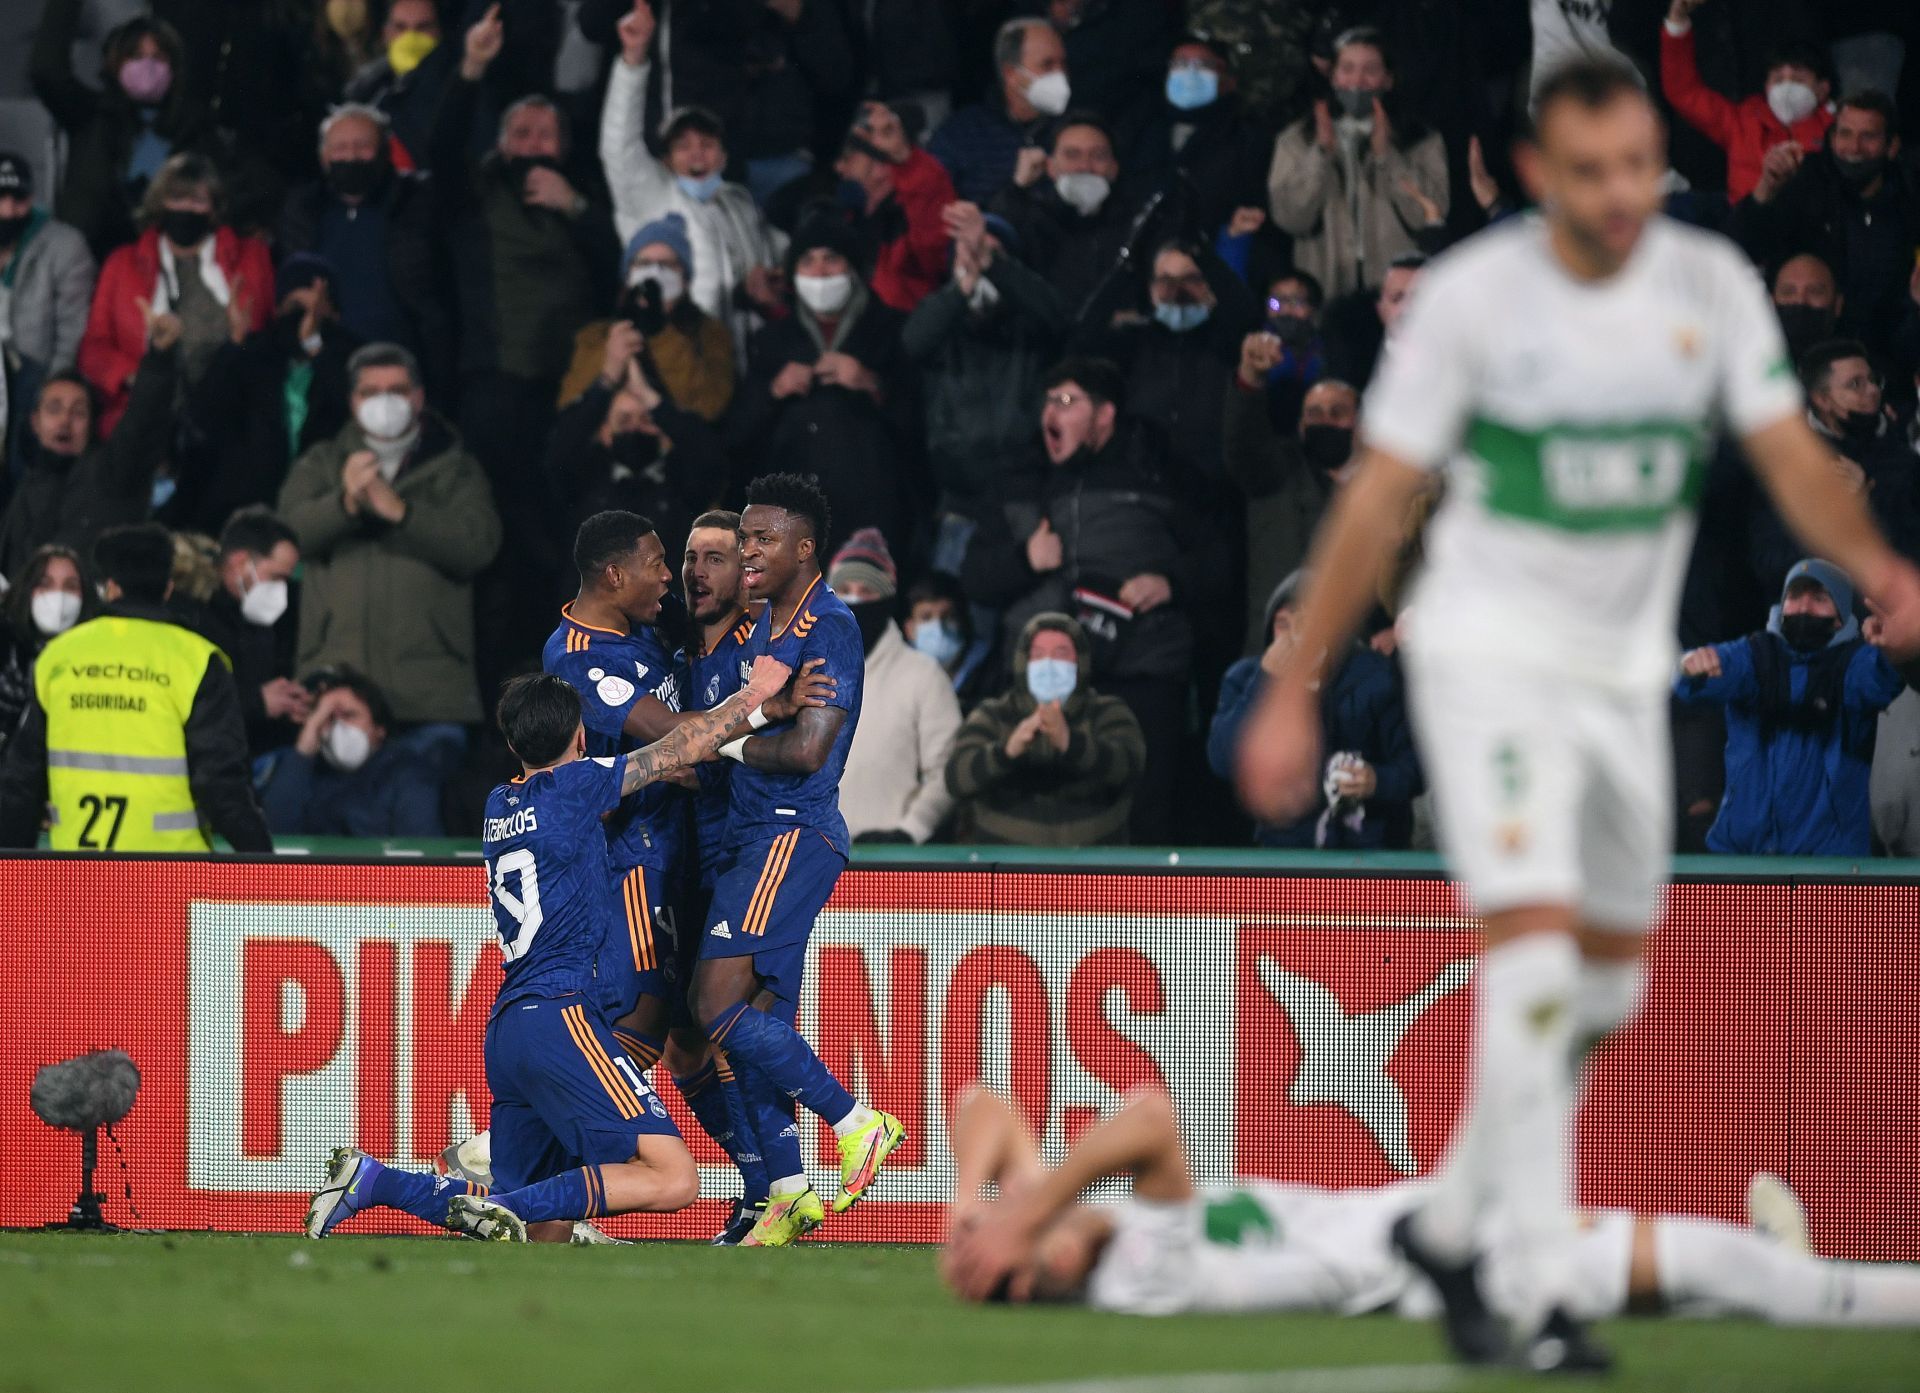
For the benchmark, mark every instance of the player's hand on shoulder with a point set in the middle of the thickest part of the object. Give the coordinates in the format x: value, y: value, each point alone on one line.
x: 1701, y: 662
x: 810, y: 687
x: 769, y: 675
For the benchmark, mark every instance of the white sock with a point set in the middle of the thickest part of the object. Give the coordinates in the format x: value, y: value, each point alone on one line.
x: 1606, y: 997
x: 859, y: 1117
x: 1518, y: 1153
x: 786, y: 1185
x: 1731, y: 1270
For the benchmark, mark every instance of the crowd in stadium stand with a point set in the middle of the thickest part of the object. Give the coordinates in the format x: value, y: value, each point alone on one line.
x: 1070, y: 305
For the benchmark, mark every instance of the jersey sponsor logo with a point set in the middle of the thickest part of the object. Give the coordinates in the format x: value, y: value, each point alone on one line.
x: 639, y: 670
x: 614, y: 691
x: 122, y: 672
x: 720, y: 930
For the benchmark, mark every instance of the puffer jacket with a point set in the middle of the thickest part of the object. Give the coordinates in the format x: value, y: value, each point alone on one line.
x: 52, y: 278
x: 393, y: 601
x: 1080, y: 796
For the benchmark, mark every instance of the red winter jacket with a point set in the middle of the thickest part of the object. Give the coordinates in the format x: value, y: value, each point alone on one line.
x: 116, y: 335
x: 912, y: 267
x: 1745, y: 129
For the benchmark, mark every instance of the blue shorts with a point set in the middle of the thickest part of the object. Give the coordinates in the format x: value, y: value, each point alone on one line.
x: 765, y: 901
x: 565, y: 1094
x: 633, y: 955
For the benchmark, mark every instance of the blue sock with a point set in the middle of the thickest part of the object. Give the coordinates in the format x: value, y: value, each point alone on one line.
x: 574, y: 1194
x: 778, y: 1052
x: 772, y: 1115
x: 419, y: 1194
x: 717, y: 1107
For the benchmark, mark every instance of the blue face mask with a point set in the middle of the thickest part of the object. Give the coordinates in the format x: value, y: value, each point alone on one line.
x: 1181, y: 318
x: 701, y: 190
x: 1052, y: 679
x: 1189, y: 89
x: 162, y: 494
x: 940, y: 642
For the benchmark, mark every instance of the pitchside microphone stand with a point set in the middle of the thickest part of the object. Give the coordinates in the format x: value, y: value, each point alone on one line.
x: 86, y: 1215
x: 83, y: 1095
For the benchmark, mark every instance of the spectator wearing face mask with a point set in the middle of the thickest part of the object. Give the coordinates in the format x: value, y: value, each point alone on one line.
x: 1194, y: 142
x: 1356, y: 182
x: 51, y: 592
x: 894, y: 788
x: 626, y: 445
x: 939, y: 623
x: 1370, y: 776
x: 980, y: 145
x: 982, y: 341
x: 735, y: 250
x: 1851, y: 204
x: 895, y: 193
x: 686, y: 350
x: 407, y: 78
x: 1051, y: 762
x: 46, y: 283
x: 1808, y: 302
x: 375, y: 225
x: 827, y: 391
x: 344, y: 777
x: 120, y: 130
x: 394, y: 520
x: 74, y: 485
x: 188, y: 264
x: 1178, y: 362
x: 249, y: 616
x: 1792, y: 106
x: 1802, y: 700
x: 266, y: 398
x: 1287, y: 478
x: 1101, y: 523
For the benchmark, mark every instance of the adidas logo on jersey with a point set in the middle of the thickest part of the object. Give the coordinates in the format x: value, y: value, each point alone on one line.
x: 720, y: 930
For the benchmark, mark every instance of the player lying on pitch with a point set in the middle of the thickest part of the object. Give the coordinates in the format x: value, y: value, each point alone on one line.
x: 577, y: 1131
x: 1259, y: 1246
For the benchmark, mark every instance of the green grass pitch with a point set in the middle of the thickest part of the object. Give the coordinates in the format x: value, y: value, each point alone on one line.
x: 200, y: 1313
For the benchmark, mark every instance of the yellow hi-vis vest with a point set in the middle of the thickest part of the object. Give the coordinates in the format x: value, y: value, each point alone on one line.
x: 117, y: 692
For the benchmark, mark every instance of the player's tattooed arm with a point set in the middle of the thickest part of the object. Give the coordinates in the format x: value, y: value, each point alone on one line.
x: 650, y: 718
x: 703, y: 732
x: 802, y: 748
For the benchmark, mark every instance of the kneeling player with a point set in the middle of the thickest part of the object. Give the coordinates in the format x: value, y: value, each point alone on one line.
x: 577, y: 1133
x: 1259, y: 1246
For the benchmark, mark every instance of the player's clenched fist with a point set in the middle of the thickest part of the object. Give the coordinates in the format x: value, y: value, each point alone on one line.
x: 1279, y: 755
x: 1701, y: 662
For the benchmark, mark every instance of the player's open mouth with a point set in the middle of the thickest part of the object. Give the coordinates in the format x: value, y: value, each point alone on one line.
x: 751, y: 574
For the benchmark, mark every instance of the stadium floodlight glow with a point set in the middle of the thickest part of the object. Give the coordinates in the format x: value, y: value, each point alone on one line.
x: 84, y: 1094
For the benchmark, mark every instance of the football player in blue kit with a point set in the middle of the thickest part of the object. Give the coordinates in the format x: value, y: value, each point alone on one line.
x: 577, y: 1133
x: 786, y: 845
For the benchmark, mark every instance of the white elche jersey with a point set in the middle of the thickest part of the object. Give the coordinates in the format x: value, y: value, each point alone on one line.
x: 1574, y: 421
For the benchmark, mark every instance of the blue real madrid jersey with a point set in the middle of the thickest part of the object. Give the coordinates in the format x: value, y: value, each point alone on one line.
x: 548, y: 874
x: 712, y: 678
x: 612, y: 671
x: 765, y: 804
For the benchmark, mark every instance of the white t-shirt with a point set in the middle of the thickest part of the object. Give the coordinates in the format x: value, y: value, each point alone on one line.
x: 1256, y: 1246
x: 1574, y: 420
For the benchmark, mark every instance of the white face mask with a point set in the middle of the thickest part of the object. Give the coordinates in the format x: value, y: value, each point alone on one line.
x: 824, y: 294
x: 387, y: 416
x: 346, y: 747
x: 264, y: 602
x: 1050, y: 94
x: 985, y: 296
x: 1791, y: 101
x: 1084, y: 193
x: 54, y: 611
x: 672, y: 284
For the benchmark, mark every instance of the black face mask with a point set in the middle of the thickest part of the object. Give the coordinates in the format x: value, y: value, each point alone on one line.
x: 1808, y: 633
x: 356, y: 178
x: 872, y: 616
x: 1857, y: 174
x: 1294, y: 330
x: 1327, y: 447
x: 11, y: 228
x: 286, y: 333
x: 185, y: 227
x: 1860, y: 425
x: 634, y: 450
x: 1804, y: 326
x: 520, y: 166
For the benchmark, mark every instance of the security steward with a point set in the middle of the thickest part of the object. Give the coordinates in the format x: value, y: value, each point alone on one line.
x: 135, y: 740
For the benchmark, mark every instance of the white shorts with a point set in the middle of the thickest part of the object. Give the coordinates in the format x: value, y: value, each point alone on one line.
x: 1547, y: 790
x: 1598, y: 1270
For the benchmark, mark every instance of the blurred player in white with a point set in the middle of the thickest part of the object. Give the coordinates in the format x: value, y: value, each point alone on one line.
x: 1170, y: 1248
x: 1568, y: 371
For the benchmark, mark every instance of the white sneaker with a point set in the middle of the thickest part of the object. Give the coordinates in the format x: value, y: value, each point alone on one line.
x: 585, y: 1235
x: 470, y: 1160
x: 478, y: 1217
x: 1774, y: 1210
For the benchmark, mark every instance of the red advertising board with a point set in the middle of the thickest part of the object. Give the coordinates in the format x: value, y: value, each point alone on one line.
x: 1311, y: 1029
